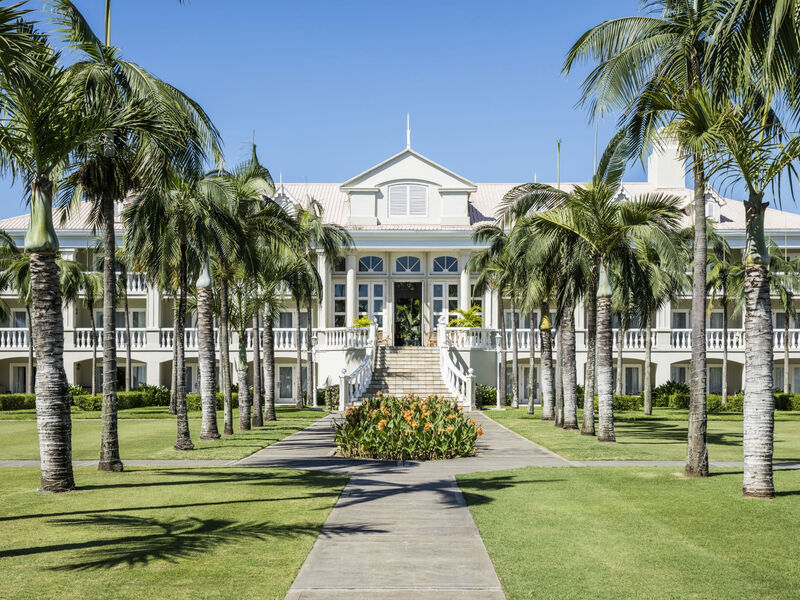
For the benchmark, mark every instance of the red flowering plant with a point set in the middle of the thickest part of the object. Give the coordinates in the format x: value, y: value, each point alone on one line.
x: 408, y: 428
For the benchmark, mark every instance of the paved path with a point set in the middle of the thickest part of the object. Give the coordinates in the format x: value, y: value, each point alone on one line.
x: 400, y: 529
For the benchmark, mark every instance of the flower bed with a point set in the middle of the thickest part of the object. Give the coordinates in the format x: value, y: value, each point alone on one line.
x: 407, y: 428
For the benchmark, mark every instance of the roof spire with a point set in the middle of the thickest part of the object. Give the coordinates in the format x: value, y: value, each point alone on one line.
x: 534, y: 177
x: 408, y: 131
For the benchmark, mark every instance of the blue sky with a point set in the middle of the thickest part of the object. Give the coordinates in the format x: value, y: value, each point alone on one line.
x: 325, y: 86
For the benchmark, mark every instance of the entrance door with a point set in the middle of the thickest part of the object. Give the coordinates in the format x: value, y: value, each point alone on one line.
x: 408, y: 313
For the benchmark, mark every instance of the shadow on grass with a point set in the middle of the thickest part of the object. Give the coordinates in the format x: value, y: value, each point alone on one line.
x: 324, y: 482
x: 150, y: 539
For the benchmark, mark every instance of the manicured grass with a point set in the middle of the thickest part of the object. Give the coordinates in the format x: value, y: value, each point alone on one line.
x: 659, y: 437
x: 161, y: 533
x: 154, y: 438
x: 620, y: 533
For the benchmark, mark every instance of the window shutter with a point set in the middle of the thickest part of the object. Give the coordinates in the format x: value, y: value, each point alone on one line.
x: 417, y: 205
x: 398, y: 200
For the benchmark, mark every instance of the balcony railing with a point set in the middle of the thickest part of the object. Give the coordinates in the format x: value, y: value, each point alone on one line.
x: 13, y: 338
x: 84, y: 339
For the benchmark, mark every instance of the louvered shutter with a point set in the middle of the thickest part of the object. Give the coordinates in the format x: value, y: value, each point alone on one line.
x: 398, y: 200
x: 418, y: 201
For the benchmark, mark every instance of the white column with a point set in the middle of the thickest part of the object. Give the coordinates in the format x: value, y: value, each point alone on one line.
x: 351, y: 298
x: 464, y: 295
x: 68, y: 308
x: 324, y: 301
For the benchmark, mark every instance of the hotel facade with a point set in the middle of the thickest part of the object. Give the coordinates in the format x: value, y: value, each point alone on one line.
x: 411, y: 220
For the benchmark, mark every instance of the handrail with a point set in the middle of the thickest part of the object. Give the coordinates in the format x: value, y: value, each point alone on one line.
x: 458, y: 383
x: 14, y: 338
x: 84, y: 339
x: 352, y: 386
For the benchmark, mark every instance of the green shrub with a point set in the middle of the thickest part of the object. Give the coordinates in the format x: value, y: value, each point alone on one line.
x: 678, y: 400
x: 407, y: 428
x: 17, y: 401
x: 485, y: 395
x: 787, y: 401
x: 662, y: 392
x: 624, y: 402
x: 87, y: 402
x: 193, y: 401
x: 329, y: 397
x: 75, y: 390
x: 157, y: 395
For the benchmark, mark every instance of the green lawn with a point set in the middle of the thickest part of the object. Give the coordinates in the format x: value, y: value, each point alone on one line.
x: 153, y: 412
x: 161, y: 533
x: 636, y: 533
x: 660, y: 437
x: 153, y: 438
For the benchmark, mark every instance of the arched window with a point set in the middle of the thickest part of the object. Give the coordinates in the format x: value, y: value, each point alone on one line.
x: 445, y: 264
x: 407, y: 264
x: 370, y: 264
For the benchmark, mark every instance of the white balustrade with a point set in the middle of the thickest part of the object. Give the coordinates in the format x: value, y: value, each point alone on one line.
x: 83, y: 338
x: 468, y: 338
x: 680, y: 339
x: 344, y: 337
x: 634, y: 339
x: 715, y: 339
x: 189, y: 336
x: 136, y: 283
x: 13, y: 338
x: 460, y: 384
x: 780, y: 340
x: 352, y: 386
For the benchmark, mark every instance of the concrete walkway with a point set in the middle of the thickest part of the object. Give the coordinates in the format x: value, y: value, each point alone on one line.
x: 400, y: 529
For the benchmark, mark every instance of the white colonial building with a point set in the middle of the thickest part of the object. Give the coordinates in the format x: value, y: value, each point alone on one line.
x: 411, y: 220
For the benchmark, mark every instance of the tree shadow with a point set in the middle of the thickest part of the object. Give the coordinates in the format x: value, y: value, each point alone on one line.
x: 172, y: 540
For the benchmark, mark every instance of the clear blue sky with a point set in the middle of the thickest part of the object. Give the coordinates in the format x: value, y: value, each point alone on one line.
x: 325, y: 86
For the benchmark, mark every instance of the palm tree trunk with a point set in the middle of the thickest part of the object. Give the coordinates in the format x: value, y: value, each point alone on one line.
x: 224, y: 356
x: 559, y: 420
x: 109, y: 435
x: 759, y: 402
x: 570, y: 372
x: 298, y: 381
x: 587, y: 424
x: 128, y: 339
x: 725, y: 350
x: 184, y: 440
x: 605, y: 361
x: 620, y: 343
x: 93, y: 325
x: 244, y: 392
x: 174, y: 390
x: 29, y: 373
x: 532, y: 363
x: 785, y: 353
x: 545, y: 330
x: 501, y: 375
x: 268, y: 342
x: 52, y: 401
x: 697, y: 448
x: 207, y: 357
x: 514, y: 357
x: 310, y: 396
x: 258, y: 415
x: 648, y: 350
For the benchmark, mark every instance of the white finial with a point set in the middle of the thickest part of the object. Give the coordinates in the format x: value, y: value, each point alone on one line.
x: 534, y: 177
x: 408, y: 131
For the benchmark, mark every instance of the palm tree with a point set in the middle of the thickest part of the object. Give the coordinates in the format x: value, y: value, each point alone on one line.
x: 92, y: 284
x: 315, y: 236
x: 754, y: 151
x: 189, y: 221
x: 634, y: 57
x: 41, y: 128
x: 172, y: 129
x: 784, y: 276
x: 467, y: 318
x: 494, y: 272
x: 611, y: 228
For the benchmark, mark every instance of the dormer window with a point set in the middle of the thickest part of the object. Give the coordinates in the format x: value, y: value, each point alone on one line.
x: 408, y: 200
x: 712, y: 211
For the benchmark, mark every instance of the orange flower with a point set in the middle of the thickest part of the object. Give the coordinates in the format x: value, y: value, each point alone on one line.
x: 480, y: 430
x: 439, y: 431
x: 428, y: 426
x: 407, y: 432
x: 449, y: 428
x: 473, y: 421
x: 382, y: 424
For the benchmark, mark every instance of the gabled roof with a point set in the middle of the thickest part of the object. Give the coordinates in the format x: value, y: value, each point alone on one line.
x: 408, y: 152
